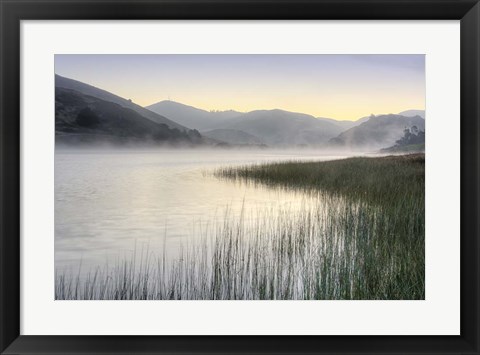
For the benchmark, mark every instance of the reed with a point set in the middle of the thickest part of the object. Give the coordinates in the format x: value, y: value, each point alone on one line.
x: 362, y: 238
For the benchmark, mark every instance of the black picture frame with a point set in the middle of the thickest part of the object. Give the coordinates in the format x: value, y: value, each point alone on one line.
x: 14, y: 11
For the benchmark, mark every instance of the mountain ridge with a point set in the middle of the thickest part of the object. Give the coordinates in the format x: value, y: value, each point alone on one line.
x: 190, y: 116
x: 81, y: 119
x: 376, y: 133
x: 273, y: 127
x: 87, y: 89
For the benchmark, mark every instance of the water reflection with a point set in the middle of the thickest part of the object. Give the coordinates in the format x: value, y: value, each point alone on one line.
x: 106, y: 202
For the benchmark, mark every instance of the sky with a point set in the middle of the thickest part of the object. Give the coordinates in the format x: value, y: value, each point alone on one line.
x: 343, y: 87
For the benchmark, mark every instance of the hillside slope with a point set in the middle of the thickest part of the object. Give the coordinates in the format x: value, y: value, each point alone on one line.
x: 66, y: 83
x: 376, y: 133
x: 192, y: 117
x: 82, y: 118
x: 232, y: 136
x: 283, y: 128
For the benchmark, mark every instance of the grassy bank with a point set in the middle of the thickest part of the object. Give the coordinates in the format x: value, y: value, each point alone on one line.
x: 386, y: 180
x: 410, y: 148
x: 361, y: 236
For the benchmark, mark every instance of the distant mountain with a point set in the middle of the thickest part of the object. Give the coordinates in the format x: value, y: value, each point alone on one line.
x: 412, y: 135
x: 283, y: 128
x: 345, y: 124
x: 378, y: 132
x: 349, y: 124
x: 84, y: 110
x: 413, y: 140
x: 192, y: 117
x: 271, y: 127
x: 81, y: 118
x: 232, y: 136
x: 66, y: 83
x: 413, y: 113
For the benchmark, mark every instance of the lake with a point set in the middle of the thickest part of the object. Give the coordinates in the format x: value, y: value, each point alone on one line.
x: 112, y: 204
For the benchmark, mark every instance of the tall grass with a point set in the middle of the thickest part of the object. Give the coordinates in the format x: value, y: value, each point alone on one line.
x: 390, y: 180
x: 361, y: 238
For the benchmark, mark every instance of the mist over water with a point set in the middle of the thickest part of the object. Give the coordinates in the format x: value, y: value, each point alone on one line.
x: 172, y: 201
x: 109, y: 202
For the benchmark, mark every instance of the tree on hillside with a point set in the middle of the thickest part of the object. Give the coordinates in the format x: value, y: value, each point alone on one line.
x: 87, y: 118
x: 411, y: 135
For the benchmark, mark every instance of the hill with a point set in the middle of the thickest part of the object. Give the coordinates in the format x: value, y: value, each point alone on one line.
x: 272, y: 127
x: 413, y: 140
x: 412, y: 113
x: 66, y: 83
x: 284, y: 128
x: 192, y: 117
x: 81, y: 118
x: 232, y: 136
x: 344, y: 125
x: 376, y: 133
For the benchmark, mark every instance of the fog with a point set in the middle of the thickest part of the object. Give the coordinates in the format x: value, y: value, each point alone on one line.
x: 109, y: 200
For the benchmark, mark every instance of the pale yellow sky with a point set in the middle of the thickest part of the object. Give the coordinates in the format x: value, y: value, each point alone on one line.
x: 343, y: 87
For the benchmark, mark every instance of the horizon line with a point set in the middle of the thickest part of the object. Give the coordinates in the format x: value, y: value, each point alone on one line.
x: 241, y: 112
x: 277, y: 109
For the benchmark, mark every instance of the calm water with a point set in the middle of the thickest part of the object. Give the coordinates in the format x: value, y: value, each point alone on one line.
x: 107, y: 204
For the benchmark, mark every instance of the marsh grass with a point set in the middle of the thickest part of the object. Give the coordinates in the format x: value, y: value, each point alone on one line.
x: 389, y: 181
x: 361, y: 238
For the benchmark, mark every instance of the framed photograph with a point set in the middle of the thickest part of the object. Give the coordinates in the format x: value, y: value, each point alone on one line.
x: 239, y: 177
